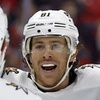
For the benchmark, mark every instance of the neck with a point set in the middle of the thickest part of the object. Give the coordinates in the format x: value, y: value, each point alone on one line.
x: 63, y: 85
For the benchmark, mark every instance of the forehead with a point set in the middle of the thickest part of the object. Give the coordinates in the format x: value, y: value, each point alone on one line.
x: 49, y: 39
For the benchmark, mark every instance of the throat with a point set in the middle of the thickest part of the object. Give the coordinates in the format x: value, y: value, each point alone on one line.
x: 63, y: 85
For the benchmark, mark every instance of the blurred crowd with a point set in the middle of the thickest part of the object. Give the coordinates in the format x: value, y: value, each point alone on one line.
x: 86, y: 15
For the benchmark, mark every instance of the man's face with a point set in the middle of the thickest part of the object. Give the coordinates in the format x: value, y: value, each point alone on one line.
x: 49, y: 58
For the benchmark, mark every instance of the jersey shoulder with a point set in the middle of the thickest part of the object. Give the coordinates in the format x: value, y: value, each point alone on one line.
x: 89, y: 69
x: 15, y: 75
x: 88, y: 76
x: 10, y: 91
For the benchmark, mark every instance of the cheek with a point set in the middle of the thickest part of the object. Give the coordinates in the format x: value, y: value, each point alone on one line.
x: 64, y: 55
x: 63, y: 60
x: 34, y: 58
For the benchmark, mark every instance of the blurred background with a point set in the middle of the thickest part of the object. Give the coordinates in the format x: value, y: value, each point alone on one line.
x: 85, y: 13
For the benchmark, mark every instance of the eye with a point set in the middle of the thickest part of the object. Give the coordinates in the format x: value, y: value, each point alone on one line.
x: 38, y: 47
x: 55, y: 47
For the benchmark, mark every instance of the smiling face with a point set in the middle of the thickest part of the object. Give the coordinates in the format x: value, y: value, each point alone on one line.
x: 49, y: 57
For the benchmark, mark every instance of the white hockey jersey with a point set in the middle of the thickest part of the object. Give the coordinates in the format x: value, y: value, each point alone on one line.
x: 85, y: 87
x: 10, y: 91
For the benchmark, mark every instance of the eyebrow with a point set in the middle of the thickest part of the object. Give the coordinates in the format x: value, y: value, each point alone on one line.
x: 40, y: 42
x: 56, y: 42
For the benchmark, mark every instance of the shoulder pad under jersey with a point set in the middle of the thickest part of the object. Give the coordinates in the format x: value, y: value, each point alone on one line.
x: 15, y: 75
x: 88, y: 69
x: 90, y: 65
x: 88, y: 76
x: 11, y: 91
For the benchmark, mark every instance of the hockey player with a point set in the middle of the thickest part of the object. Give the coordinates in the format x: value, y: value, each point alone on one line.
x: 8, y: 90
x: 50, y: 48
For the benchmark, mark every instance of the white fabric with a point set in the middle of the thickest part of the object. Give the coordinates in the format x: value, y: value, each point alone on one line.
x: 8, y: 92
x: 85, y: 87
x: 4, y: 38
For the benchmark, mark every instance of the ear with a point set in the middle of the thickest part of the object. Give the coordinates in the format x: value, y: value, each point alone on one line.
x: 73, y: 56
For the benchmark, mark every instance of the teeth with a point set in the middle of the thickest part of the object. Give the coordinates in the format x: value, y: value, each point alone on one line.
x: 48, y: 65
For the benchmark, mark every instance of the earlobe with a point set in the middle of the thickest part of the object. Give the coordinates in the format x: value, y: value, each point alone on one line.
x: 74, y: 56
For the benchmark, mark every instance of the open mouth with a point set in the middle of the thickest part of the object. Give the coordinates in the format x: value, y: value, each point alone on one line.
x: 48, y: 67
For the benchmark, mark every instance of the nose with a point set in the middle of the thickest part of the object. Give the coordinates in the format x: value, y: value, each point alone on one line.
x: 47, y: 54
